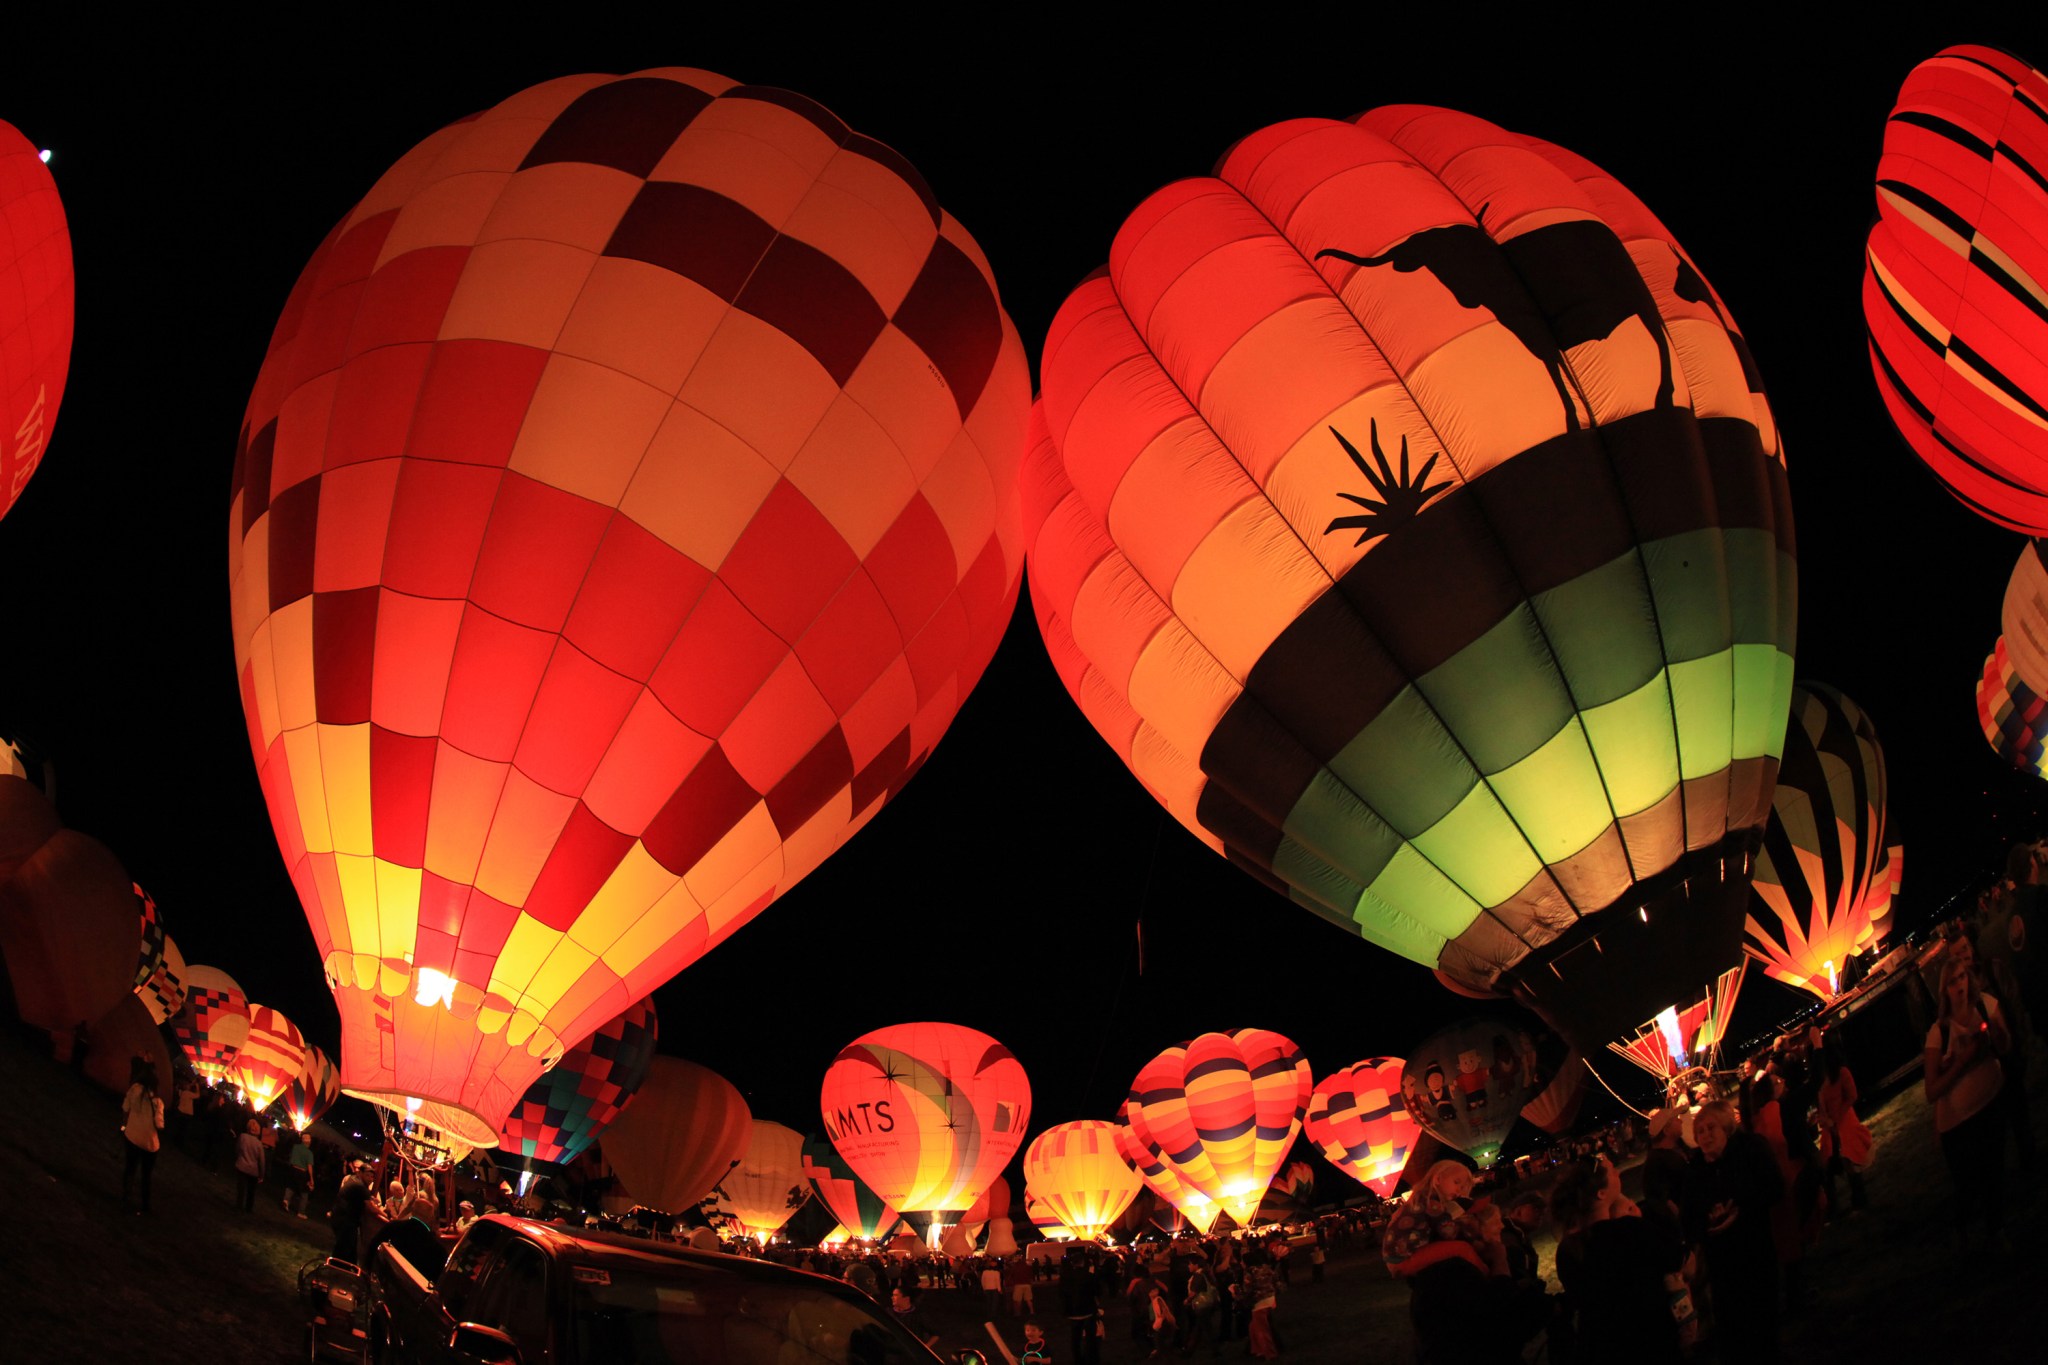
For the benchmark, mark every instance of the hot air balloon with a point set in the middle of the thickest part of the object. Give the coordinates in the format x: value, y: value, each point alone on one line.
x: 270, y: 1057
x: 1291, y: 1196
x: 1357, y: 1121
x: 768, y: 1185
x: 313, y: 1091
x: 928, y: 1115
x: 1467, y: 1083
x: 213, y: 1023
x: 35, y: 329
x: 23, y: 758
x: 27, y: 819
x: 1557, y: 1108
x: 2012, y: 715
x: 124, y: 1033
x: 1953, y: 292
x: 150, y: 952
x: 1406, y: 513
x: 1046, y: 1220
x: 68, y: 926
x: 1075, y: 1170
x: 685, y: 1130
x: 860, y: 1211
x: 622, y: 513
x: 1823, y: 882
x: 1182, y: 1198
x: 563, y: 1112
x: 163, y: 994
x: 1222, y: 1111
x: 1686, y: 1035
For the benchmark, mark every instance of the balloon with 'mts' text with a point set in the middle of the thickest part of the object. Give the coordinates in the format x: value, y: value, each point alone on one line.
x: 624, y: 508
x: 269, y: 1058
x: 1955, y: 279
x: 1075, y: 1170
x: 1829, y: 866
x: 1406, y: 512
x: 686, y: 1128
x: 563, y: 1112
x: 213, y: 1023
x: 36, y: 322
x: 928, y: 1115
x: 1466, y: 1083
x: 1357, y: 1121
x: 1222, y: 1112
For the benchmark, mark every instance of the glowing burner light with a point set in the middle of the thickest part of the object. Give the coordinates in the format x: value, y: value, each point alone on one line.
x: 44, y: 156
x: 433, y: 988
x: 1834, y: 985
x: 1667, y: 1024
x: 412, y: 1104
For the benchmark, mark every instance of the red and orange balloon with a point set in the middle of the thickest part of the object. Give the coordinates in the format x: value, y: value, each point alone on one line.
x: 625, y: 506
x: 1222, y: 1112
x: 35, y: 325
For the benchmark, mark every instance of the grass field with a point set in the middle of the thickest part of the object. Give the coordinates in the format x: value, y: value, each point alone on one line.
x: 83, y: 1279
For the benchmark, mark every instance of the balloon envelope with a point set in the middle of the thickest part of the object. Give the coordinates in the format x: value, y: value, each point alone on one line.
x: 126, y: 1032
x: 1075, y: 1170
x: 768, y: 1184
x: 1182, y: 1198
x: 313, y: 1091
x: 1952, y: 293
x: 683, y: 1133
x: 1467, y: 1083
x: 35, y: 328
x: 562, y: 1113
x: 269, y: 1058
x: 1357, y: 1121
x: 1822, y: 890
x: 1406, y: 512
x: 163, y: 994
x: 213, y: 1023
x: 927, y: 1114
x: 1222, y: 1112
x: 860, y: 1211
x: 623, y: 510
x: 69, y: 929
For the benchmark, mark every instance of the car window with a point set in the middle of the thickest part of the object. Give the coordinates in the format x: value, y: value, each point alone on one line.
x: 513, y: 1297
x: 458, y: 1277
x: 626, y: 1316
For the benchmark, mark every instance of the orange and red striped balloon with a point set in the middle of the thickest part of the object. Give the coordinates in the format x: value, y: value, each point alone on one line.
x: 1075, y: 1171
x: 36, y: 321
x: 1222, y: 1111
x: 624, y: 508
x: 1955, y: 281
x: 1357, y: 1121
x: 270, y: 1058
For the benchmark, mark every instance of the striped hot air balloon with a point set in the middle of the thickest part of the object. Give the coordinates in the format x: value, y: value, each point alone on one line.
x: 213, y: 1023
x: 269, y: 1059
x: 1824, y: 881
x: 928, y: 1115
x: 1406, y: 512
x: 1687, y: 1034
x: 1046, y: 1220
x: 2012, y: 715
x: 36, y: 322
x: 624, y: 509
x: 1162, y: 1179
x: 1075, y: 1170
x: 1955, y: 281
x: 313, y: 1091
x: 1291, y: 1196
x: 1557, y: 1107
x: 861, y: 1212
x: 576, y: 1099
x: 1357, y: 1121
x: 1222, y: 1111
x: 163, y: 995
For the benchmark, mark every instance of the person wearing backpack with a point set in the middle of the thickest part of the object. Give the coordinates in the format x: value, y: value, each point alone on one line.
x: 1163, y: 1323
x: 1963, y: 1079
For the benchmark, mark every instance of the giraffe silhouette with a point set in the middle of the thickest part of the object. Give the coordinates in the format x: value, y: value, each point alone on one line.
x: 1553, y: 287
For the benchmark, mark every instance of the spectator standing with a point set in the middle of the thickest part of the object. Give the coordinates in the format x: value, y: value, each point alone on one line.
x: 1729, y: 1199
x: 992, y: 1288
x: 1963, y: 1080
x: 248, y: 1167
x: 350, y: 1201
x: 142, y: 1121
x: 1846, y: 1142
x: 1083, y: 1310
x: 1017, y: 1274
x: 298, y: 1186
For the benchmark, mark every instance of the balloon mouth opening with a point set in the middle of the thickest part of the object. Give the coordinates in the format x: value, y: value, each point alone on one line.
x: 440, y: 1124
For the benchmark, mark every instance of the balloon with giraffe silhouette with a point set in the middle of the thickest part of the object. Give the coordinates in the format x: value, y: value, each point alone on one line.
x: 1404, y: 507
x: 1955, y: 279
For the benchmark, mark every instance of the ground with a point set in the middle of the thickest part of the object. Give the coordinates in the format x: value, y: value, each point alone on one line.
x: 86, y: 1279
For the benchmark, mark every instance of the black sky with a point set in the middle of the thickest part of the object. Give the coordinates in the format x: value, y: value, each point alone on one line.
x: 199, y: 171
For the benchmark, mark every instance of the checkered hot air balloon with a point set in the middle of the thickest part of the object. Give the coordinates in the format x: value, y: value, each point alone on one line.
x: 1222, y: 1111
x: 213, y: 1023
x: 313, y: 1091
x: 625, y: 506
x: 163, y: 994
x: 1357, y: 1121
x: 861, y: 1212
x: 150, y: 954
x: 1406, y: 512
x: 563, y: 1112
x: 36, y: 321
x: 1824, y: 882
x: 1955, y: 281
x: 2012, y: 715
x: 1186, y: 1202
x: 928, y: 1115
x: 269, y: 1058
x: 1075, y: 1170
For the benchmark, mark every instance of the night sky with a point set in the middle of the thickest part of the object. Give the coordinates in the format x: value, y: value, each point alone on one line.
x: 1004, y: 888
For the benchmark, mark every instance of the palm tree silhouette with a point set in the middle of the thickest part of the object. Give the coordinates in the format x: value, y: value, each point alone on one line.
x: 1399, y: 497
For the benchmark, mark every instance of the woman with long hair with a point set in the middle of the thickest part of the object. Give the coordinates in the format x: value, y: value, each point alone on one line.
x: 1846, y: 1142
x: 1963, y: 1079
x: 142, y: 1124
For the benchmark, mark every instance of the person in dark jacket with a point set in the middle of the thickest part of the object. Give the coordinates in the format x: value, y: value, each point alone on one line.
x: 1084, y: 1313
x: 1623, y: 1274
x: 346, y: 1216
x: 1729, y: 1197
x: 413, y: 1237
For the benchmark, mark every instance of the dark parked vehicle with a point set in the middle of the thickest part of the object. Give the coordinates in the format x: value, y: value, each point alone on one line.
x: 527, y: 1292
